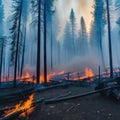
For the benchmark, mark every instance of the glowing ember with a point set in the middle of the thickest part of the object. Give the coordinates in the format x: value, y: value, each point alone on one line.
x: 23, y: 106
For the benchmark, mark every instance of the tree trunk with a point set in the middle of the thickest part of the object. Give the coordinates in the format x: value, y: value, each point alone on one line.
x: 17, y: 47
x: 23, y: 54
x: 109, y: 38
x: 38, y: 42
x: 1, y: 61
x: 51, y: 45
x: 45, y: 45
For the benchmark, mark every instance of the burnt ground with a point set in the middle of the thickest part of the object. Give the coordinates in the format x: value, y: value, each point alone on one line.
x: 93, y: 107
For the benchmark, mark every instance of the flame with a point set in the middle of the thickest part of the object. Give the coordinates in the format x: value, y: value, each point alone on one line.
x: 50, y: 76
x: 28, y: 78
x: 88, y: 74
x: 41, y: 79
x: 22, y: 106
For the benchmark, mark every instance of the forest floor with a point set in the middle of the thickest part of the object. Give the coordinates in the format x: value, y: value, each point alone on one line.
x: 93, y: 107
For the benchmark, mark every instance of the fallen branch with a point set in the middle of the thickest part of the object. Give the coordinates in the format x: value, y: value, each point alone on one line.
x: 79, y: 95
x: 60, y: 96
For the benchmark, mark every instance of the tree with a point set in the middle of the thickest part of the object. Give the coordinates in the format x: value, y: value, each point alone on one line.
x: 36, y: 8
x: 23, y: 54
x: 73, y: 28
x: 67, y: 45
x: 2, y: 46
x: 16, y: 34
x: 98, y: 27
x: 25, y: 18
x: 1, y: 18
x: 83, y: 39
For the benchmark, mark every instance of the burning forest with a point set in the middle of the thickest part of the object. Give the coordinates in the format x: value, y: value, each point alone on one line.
x: 59, y: 59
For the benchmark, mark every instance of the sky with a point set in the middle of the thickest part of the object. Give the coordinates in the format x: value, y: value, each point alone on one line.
x: 7, y: 4
x: 81, y: 8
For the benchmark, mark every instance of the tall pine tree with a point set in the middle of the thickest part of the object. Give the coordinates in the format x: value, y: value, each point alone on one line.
x: 16, y: 34
x: 67, y: 45
x: 73, y: 31
x: 83, y: 38
x: 98, y: 27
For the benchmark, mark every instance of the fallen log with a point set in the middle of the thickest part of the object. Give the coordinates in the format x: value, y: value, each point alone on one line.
x: 79, y: 95
x: 60, y: 96
x: 53, y: 86
x: 19, y: 112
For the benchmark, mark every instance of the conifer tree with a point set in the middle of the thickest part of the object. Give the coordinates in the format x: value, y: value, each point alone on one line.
x: 16, y: 35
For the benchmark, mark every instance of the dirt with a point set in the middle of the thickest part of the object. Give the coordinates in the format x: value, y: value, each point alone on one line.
x: 93, y: 107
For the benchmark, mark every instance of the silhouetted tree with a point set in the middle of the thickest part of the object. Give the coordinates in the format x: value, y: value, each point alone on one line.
x: 23, y: 53
x: 1, y: 18
x: 83, y: 39
x: 67, y: 43
x: 16, y: 34
x: 73, y: 30
x: 2, y: 46
x: 98, y: 27
x: 43, y: 15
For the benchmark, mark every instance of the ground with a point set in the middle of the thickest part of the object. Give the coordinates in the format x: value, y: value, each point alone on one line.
x: 93, y: 107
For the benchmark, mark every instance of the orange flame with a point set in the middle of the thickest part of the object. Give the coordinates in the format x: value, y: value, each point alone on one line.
x: 50, y: 76
x: 23, y: 106
x: 88, y: 74
x: 28, y: 78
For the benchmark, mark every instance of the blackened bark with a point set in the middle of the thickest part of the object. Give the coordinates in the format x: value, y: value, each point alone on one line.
x: 17, y: 47
x: 45, y: 45
x: 38, y: 43
x: 23, y: 54
x: 1, y: 61
x: 109, y: 38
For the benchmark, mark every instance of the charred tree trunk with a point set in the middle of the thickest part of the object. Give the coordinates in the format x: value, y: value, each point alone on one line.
x: 109, y: 37
x: 101, y: 47
x: 1, y: 60
x: 51, y: 44
x: 38, y: 42
x: 17, y: 47
x: 18, y: 65
x: 23, y: 54
x: 8, y: 71
x: 45, y: 44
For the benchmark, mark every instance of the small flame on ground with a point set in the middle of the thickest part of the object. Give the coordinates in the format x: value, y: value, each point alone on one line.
x: 88, y: 74
x: 50, y: 76
x: 23, y: 106
x: 27, y: 78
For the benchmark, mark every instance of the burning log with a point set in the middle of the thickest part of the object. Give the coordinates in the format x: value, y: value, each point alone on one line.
x: 22, y: 109
x: 19, y: 108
